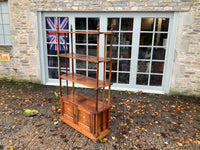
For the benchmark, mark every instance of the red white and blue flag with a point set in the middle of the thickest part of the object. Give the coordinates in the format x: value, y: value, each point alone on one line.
x: 51, y: 23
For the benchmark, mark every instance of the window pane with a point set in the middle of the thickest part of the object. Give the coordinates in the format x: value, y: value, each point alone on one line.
x: 92, y: 50
x: 157, y: 67
x: 123, y: 78
x: 125, y: 38
x: 92, y: 65
x: 160, y: 39
x: 81, y: 72
x: 124, y: 65
x: 146, y: 38
x: 115, y: 22
x: 125, y: 52
x: 143, y: 66
x: 81, y: 49
x: 63, y: 23
x: 63, y: 64
x: 1, y: 40
x: 147, y: 24
x: 114, y: 65
x: 51, y: 23
x: 80, y: 23
x: 159, y: 53
x: 7, y: 40
x: 115, y: 38
x: 162, y: 24
x: 92, y: 39
x: 92, y: 23
x: 1, y: 29
x: 114, y: 51
x: 80, y: 38
x: 144, y: 53
x: 127, y: 24
x: 142, y: 79
x: 50, y: 51
x: 92, y: 74
x: 80, y: 64
x: 156, y: 80
x: 113, y: 77
x: 52, y: 61
x: 0, y: 17
x: 4, y: 7
x: 6, y: 29
x: 5, y: 18
x: 53, y: 73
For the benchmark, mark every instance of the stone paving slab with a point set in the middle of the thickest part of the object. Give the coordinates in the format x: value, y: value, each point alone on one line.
x: 138, y: 121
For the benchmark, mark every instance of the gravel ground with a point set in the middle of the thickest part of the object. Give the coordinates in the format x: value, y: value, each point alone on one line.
x: 137, y: 121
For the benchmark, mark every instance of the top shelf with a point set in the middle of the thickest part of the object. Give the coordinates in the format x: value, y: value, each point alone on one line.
x: 85, y: 57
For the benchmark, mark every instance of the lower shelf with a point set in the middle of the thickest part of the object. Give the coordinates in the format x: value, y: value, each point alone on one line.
x: 85, y: 132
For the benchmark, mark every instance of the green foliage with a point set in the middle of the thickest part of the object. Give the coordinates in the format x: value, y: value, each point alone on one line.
x: 57, y: 97
x: 29, y: 113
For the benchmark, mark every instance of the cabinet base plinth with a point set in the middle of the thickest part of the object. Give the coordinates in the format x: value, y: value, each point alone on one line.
x: 85, y: 132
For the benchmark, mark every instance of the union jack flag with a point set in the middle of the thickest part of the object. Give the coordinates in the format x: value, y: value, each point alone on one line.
x: 51, y: 23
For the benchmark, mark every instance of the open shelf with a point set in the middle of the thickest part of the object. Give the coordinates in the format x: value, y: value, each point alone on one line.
x: 85, y: 57
x: 84, y: 80
x: 84, y: 101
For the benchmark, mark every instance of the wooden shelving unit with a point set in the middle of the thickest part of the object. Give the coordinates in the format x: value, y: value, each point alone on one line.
x: 88, y: 115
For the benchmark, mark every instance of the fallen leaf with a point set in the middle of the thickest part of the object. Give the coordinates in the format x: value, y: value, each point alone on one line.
x: 179, y: 144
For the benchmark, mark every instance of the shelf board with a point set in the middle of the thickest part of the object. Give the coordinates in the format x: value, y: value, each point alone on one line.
x: 85, y: 57
x: 84, y: 101
x: 84, y: 80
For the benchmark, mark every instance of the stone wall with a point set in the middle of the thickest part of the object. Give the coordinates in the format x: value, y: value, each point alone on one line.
x: 25, y: 63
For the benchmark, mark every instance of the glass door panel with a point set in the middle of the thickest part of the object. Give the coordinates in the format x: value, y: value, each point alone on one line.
x: 152, y: 51
x: 86, y: 44
x: 121, y: 50
x: 51, y: 24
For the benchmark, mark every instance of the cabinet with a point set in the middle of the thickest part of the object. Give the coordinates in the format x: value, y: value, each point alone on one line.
x: 88, y: 115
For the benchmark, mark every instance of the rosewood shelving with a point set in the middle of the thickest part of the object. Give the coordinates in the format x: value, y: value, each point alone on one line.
x: 88, y: 115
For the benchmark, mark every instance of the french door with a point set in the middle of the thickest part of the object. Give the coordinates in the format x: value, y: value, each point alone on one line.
x: 140, y: 47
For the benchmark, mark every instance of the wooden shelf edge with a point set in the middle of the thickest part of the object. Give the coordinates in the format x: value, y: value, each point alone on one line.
x: 85, y: 57
x: 86, y: 133
x: 84, y: 80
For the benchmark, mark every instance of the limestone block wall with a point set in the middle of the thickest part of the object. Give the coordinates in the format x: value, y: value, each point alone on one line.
x: 24, y: 52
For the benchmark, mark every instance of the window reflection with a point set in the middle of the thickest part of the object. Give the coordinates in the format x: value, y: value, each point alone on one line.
x: 159, y: 53
x: 92, y: 50
x: 147, y: 24
x: 81, y: 49
x: 123, y: 78
x: 126, y: 38
x: 162, y: 24
x: 142, y: 79
x: 125, y: 52
x: 156, y: 80
x: 144, y: 53
x: 114, y: 51
x: 143, y: 66
x: 115, y: 22
x: 146, y: 38
x: 80, y: 23
x: 124, y: 65
x: 157, y: 67
x: 92, y: 23
x: 160, y: 39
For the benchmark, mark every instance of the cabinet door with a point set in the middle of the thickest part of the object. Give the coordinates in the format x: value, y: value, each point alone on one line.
x: 84, y: 119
